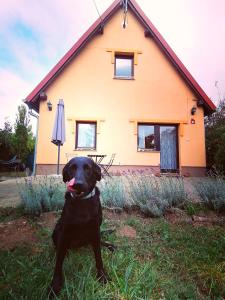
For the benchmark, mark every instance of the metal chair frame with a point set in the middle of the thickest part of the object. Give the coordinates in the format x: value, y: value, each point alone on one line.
x: 105, y: 167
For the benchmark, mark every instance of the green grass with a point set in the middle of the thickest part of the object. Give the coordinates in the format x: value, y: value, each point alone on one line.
x: 165, y: 261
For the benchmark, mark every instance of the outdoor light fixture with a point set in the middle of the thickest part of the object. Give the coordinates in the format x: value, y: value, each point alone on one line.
x: 49, y: 105
x: 43, y: 96
x: 193, y: 110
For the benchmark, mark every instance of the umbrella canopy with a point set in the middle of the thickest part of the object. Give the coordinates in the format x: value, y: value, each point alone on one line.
x: 58, y: 134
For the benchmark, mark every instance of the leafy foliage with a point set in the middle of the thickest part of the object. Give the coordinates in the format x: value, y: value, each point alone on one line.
x: 6, y: 142
x: 215, y: 139
x: 21, y: 141
x: 23, y: 138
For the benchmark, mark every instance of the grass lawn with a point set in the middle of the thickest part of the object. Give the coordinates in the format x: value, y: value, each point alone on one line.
x: 163, y: 261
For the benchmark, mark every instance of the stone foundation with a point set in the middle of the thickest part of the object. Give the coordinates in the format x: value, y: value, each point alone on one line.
x: 193, y: 171
x: 47, y: 169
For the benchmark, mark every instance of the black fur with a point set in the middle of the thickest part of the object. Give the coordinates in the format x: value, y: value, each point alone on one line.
x: 80, y: 221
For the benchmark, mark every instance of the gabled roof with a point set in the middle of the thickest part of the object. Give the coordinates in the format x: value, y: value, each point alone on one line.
x: 33, y: 98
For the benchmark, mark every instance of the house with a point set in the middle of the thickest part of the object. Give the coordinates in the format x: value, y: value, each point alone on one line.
x: 125, y: 92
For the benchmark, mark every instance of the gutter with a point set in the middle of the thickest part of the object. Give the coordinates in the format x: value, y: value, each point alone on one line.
x: 36, y: 140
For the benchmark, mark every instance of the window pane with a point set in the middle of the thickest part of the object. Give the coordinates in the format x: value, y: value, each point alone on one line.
x: 146, y: 137
x: 124, y: 66
x: 86, y: 135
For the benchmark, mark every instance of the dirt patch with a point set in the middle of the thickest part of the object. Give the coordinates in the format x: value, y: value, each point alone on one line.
x: 19, y: 232
x: 177, y: 216
x: 127, y: 231
x: 111, y: 215
x: 208, y: 218
x: 48, y: 219
x: 208, y: 221
x: 16, y: 233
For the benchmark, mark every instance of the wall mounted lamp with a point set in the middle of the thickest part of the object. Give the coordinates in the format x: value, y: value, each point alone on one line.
x: 193, y: 110
x: 43, y: 96
x: 49, y: 105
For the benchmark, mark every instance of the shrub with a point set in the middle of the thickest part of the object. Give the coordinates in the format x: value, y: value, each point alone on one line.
x: 212, y: 192
x: 41, y: 194
x: 114, y: 192
x: 154, y: 195
x: 151, y: 194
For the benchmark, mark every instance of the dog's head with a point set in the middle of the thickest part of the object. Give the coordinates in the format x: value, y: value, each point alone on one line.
x: 81, y: 173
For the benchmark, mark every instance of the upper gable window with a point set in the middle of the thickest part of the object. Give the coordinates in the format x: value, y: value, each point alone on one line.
x: 124, y: 66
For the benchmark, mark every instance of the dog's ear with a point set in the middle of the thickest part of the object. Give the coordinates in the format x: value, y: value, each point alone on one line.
x: 65, y: 173
x: 97, y: 171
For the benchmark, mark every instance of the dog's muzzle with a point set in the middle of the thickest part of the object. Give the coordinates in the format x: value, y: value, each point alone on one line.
x: 76, y: 190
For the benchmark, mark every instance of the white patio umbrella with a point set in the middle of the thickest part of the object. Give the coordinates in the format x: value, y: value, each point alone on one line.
x: 58, y: 134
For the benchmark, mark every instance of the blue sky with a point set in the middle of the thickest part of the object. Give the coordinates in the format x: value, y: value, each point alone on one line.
x: 34, y: 35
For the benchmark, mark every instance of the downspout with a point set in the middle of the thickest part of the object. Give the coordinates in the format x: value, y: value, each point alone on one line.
x: 36, y: 140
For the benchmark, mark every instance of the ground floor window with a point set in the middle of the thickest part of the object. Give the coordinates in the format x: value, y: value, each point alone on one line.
x: 85, y: 135
x: 163, y: 138
x: 148, y: 137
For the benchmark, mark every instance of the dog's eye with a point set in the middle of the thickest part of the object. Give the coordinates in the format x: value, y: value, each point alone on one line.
x: 73, y: 168
x: 87, y: 169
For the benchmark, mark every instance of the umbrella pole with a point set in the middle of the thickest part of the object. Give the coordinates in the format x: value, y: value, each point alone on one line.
x: 58, y: 159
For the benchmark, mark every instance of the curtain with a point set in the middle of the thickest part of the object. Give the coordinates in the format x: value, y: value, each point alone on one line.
x: 168, y: 148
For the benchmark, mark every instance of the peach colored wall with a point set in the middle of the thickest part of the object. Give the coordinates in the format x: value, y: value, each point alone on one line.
x: 90, y: 93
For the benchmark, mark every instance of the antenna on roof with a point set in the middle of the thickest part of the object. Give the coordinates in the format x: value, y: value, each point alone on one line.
x: 124, y: 14
x: 98, y: 13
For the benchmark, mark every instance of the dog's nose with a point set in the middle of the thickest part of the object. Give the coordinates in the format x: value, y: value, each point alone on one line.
x: 78, y: 185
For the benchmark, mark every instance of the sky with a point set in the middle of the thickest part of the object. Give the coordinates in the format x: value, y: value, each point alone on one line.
x: 34, y: 35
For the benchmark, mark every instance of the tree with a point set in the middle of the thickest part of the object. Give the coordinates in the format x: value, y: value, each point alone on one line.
x: 215, y: 138
x: 6, y: 137
x: 23, y: 139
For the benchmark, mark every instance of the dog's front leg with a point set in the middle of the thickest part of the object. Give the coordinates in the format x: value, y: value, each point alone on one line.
x: 57, y: 281
x: 101, y: 274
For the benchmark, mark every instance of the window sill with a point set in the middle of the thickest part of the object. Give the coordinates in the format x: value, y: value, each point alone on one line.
x: 148, y: 150
x: 84, y: 149
x: 123, y: 78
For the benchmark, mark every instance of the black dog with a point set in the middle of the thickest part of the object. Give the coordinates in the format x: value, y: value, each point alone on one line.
x: 81, y: 218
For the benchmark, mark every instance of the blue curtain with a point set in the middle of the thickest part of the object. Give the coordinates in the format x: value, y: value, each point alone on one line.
x: 168, y: 147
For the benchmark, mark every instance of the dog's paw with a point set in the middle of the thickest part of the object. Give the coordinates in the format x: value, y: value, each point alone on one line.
x: 55, y: 288
x: 52, y: 293
x: 102, y: 277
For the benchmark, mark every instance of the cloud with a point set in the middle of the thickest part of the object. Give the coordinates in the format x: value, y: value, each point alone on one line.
x: 34, y: 35
x: 13, y: 90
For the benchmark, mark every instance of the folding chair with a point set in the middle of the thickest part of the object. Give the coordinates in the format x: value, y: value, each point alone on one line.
x: 105, y: 167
